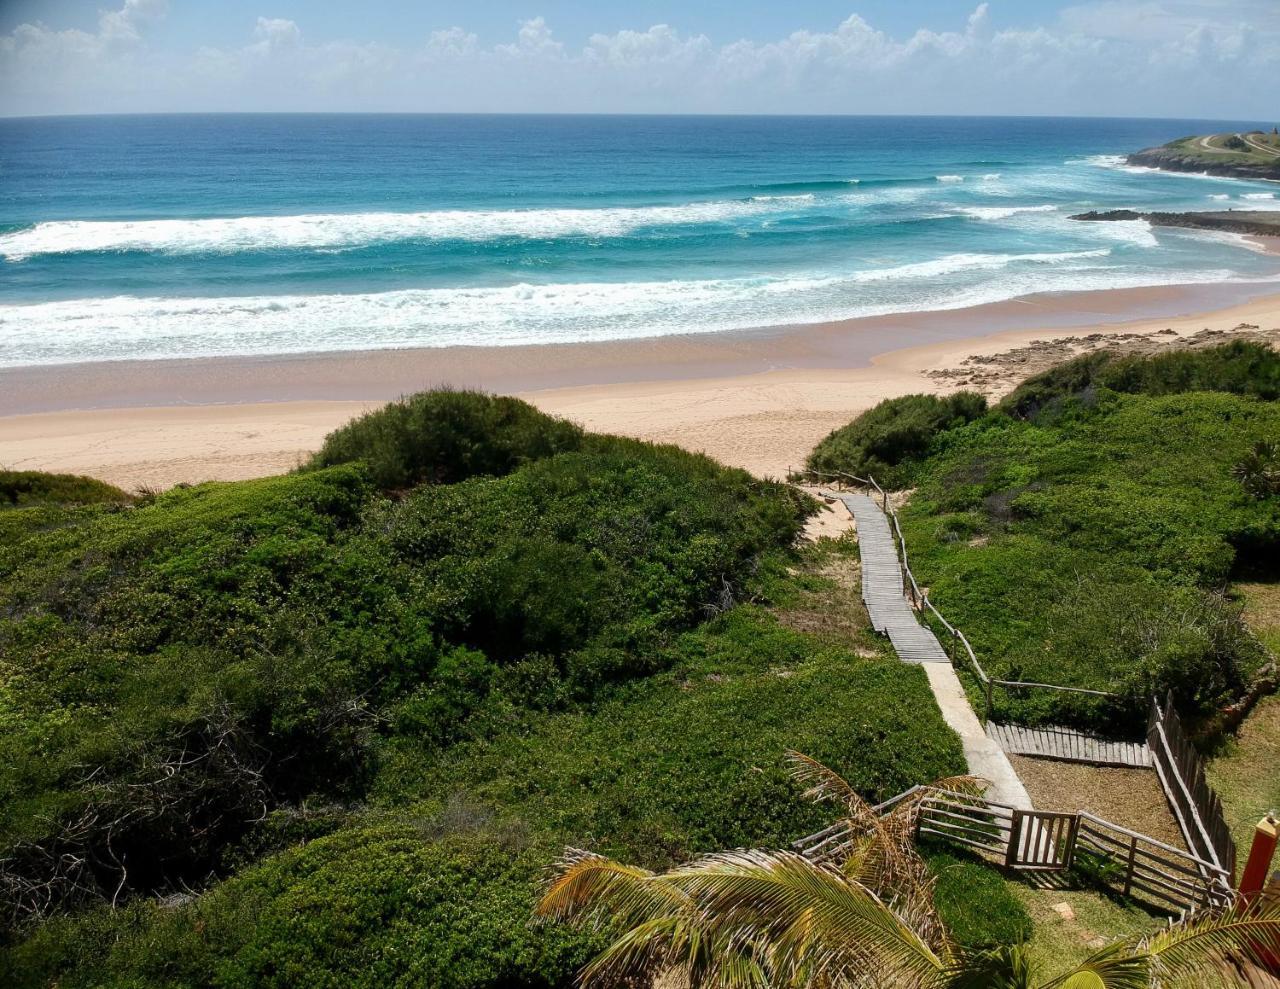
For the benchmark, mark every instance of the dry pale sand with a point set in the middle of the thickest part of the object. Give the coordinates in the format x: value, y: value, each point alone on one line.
x: 757, y: 401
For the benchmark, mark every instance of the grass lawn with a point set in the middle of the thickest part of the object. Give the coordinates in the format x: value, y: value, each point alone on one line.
x: 1058, y: 943
x: 1247, y: 772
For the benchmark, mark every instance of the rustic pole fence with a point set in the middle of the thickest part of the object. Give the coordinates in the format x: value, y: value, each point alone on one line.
x: 921, y: 601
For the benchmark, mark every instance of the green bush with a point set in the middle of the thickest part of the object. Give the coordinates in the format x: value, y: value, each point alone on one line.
x: 437, y: 887
x: 442, y: 436
x: 371, y: 907
x: 1086, y: 549
x: 886, y: 439
x: 264, y: 636
x: 1240, y: 367
x: 29, y: 488
x: 690, y: 761
x: 974, y: 900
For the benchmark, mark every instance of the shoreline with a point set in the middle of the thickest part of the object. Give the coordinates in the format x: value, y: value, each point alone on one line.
x: 758, y: 399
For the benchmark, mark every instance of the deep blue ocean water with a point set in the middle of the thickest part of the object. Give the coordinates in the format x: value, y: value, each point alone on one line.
x: 163, y: 236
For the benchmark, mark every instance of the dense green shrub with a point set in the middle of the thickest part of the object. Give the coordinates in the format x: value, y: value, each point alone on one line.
x: 886, y: 439
x: 28, y: 488
x: 442, y: 436
x: 691, y: 761
x: 440, y: 892
x: 1084, y: 549
x: 395, y: 905
x: 170, y: 667
x: 974, y: 900
x: 1240, y: 367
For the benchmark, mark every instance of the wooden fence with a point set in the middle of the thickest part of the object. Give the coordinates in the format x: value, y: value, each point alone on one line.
x: 1131, y: 863
x: 957, y: 645
x: 1196, y: 807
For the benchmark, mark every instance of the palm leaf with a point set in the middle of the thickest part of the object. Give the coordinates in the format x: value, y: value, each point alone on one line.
x: 586, y: 885
x: 824, y: 783
x: 1200, y: 947
x: 1117, y: 966
x: 820, y: 926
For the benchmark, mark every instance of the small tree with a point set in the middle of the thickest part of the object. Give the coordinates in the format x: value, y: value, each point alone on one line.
x: 1259, y: 471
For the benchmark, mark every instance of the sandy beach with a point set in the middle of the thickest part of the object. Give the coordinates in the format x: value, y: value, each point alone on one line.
x: 758, y: 399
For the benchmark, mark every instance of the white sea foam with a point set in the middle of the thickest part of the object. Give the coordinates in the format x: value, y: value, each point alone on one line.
x: 1219, y: 195
x: 1002, y: 212
x: 1118, y: 163
x: 1135, y: 232
x: 1101, y: 161
x: 339, y: 230
x: 127, y: 327
x: 953, y: 263
x: 949, y: 178
x: 990, y: 176
x: 1258, y: 195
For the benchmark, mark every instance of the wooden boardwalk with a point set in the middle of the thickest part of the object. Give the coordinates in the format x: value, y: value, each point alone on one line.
x: 1068, y: 745
x: 882, y: 585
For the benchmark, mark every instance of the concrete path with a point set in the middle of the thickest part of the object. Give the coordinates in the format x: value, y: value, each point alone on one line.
x: 915, y: 643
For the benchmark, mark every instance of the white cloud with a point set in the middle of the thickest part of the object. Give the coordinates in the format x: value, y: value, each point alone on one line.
x: 1153, y: 57
x: 274, y: 33
x: 126, y: 23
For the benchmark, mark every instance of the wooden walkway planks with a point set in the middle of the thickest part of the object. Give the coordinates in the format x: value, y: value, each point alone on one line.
x: 1068, y: 745
x: 882, y: 585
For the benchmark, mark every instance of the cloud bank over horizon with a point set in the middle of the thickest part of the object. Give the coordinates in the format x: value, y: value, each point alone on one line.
x: 1178, y: 58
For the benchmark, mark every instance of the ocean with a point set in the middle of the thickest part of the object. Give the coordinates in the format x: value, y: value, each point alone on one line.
x: 185, y: 236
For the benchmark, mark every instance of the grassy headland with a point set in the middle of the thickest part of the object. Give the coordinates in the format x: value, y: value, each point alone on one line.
x: 1254, y: 154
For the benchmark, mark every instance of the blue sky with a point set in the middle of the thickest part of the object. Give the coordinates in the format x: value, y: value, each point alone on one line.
x: 1181, y: 58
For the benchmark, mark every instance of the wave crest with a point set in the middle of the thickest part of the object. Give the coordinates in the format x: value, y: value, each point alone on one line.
x: 339, y: 230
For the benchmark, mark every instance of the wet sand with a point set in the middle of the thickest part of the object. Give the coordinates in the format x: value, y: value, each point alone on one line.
x: 756, y: 399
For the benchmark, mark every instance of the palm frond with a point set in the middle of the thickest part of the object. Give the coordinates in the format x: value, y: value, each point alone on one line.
x: 818, y: 924
x: 1117, y: 966
x: 586, y: 885
x: 824, y: 783
x: 1190, y: 952
x: 969, y: 786
x: 1003, y: 967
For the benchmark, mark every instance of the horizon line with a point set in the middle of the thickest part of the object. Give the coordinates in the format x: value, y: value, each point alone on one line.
x: 607, y: 113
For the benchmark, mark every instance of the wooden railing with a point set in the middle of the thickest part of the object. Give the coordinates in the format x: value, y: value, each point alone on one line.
x: 1195, y: 805
x: 956, y: 640
x: 1131, y: 863
x: 1137, y: 865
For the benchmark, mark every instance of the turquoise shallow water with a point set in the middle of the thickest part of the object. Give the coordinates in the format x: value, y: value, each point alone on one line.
x: 148, y: 237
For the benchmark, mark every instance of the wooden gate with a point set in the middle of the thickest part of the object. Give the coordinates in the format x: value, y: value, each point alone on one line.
x: 1041, y: 840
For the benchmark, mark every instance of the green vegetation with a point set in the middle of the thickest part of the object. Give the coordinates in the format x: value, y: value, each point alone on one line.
x: 1256, y: 149
x: 887, y: 440
x: 1239, y: 367
x: 1081, y: 534
x: 1058, y: 943
x: 363, y: 723
x: 1246, y: 775
x: 871, y: 917
x: 979, y: 906
x: 30, y: 488
x: 442, y: 436
x: 1246, y: 772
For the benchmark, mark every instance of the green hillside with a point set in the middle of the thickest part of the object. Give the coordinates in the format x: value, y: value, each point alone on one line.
x: 328, y: 729
x: 1083, y: 533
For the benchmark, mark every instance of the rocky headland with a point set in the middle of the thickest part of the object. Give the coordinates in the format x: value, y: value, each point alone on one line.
x: 1184, y: 159
x: 1257, y: 222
